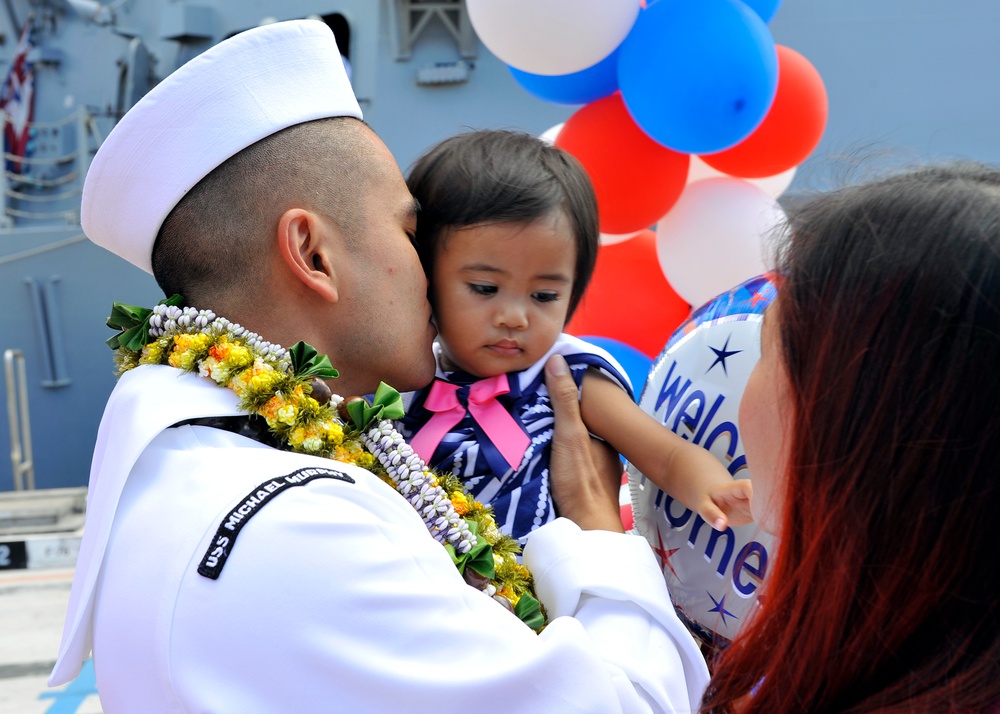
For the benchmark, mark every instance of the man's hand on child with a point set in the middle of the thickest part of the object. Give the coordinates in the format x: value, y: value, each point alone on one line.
x: 727, y: 504
x: 581, y: 482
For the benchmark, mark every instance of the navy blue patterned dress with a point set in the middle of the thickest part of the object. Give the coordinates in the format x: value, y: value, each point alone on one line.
x: 520, y: 498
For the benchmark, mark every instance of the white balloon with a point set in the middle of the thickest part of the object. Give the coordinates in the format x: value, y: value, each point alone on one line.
x: 552, y: 37
x: 550, y: 135
x: 720, y: 232
x: 698, y: 170
x: 612, y: 238
x: 773, y: 186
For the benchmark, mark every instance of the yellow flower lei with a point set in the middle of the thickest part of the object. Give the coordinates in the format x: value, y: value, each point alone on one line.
x: 278, y: 385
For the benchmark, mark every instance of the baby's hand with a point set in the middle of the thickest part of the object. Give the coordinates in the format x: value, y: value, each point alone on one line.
x: 727, y: 504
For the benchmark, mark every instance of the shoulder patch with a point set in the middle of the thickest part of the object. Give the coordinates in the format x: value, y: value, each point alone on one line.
x: 225, y: 537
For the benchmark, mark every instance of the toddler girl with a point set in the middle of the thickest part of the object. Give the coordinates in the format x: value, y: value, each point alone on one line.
x: 507, y: 234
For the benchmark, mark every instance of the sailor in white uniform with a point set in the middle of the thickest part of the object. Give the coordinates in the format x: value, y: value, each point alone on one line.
x: 220, y: 574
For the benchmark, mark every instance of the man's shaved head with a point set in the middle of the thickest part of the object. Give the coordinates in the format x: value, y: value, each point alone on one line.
x: 216, y: 241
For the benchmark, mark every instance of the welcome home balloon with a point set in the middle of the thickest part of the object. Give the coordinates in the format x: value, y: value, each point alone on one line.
x: 694, y: 388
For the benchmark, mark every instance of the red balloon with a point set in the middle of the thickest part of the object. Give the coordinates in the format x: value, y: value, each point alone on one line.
x: 628, y: 299
x: 636, y: 179
x: 791, y: 129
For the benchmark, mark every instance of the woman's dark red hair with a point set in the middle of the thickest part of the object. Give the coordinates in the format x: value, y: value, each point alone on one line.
x: 885, y: 592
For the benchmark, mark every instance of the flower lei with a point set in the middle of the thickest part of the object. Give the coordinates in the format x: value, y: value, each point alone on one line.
x: 285, y: 387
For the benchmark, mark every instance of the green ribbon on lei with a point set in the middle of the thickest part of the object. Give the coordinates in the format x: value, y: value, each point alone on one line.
x: 386, y: 404
x: 307, y: 362
x: 529, y: 611
x: 480, y: 556
x: 133, y: 321
x: 480, y: 559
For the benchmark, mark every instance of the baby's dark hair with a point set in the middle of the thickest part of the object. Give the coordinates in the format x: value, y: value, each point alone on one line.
x: 495, y: 176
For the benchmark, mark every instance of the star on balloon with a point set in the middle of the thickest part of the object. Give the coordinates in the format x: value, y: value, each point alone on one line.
x: 721, y: 355
x: 758, y: 297
x: 720, y: 607
x: 664, y: 555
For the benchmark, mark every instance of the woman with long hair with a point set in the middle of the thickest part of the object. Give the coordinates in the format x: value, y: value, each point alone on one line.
x: 872, y: 429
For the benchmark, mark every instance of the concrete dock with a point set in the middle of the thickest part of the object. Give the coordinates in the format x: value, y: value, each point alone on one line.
x: 32, y: 606
x: 39, y: 540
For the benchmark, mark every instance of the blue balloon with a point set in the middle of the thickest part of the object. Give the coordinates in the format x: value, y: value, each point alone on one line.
x: 635, y: 363
x: 581, y: 87
x: 698, y: 76
x: 764, y: 8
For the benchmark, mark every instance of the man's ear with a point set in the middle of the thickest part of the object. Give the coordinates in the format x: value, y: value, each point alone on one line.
x: 306, y: 252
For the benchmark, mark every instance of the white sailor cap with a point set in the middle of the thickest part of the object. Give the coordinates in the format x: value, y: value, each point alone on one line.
x: 222, y: 101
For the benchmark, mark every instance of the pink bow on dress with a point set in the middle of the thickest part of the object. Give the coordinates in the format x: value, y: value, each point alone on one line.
x: 491, y: 416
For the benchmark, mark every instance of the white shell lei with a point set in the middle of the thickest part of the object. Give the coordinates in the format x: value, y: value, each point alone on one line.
x: 407, y: 470
x: 410, y: 475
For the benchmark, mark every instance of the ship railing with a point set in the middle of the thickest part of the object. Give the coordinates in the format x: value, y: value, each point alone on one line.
x: 46, y: 186
x: 20, y: 426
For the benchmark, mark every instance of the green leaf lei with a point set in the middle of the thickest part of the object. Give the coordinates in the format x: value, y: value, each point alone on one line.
x: 133, y: 321
x: 278, y: 385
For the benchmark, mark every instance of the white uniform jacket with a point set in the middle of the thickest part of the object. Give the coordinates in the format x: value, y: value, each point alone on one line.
x: 333, y: 598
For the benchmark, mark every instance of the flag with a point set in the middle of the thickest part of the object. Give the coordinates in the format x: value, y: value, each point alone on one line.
x: 17, y: 100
